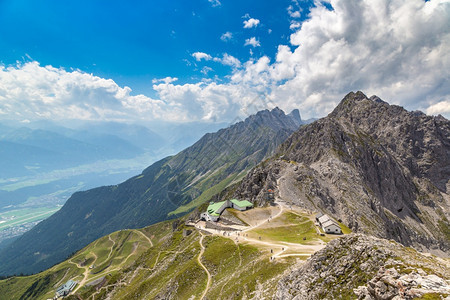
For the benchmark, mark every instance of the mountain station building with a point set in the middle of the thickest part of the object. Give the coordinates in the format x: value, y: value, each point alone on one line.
x: 215, y: 209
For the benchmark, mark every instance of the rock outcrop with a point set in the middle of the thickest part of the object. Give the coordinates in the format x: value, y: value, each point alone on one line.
x: 364, y: 267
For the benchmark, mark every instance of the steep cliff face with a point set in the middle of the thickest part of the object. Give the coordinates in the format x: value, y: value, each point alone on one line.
x: 167, y: 186
x: 379, y: 168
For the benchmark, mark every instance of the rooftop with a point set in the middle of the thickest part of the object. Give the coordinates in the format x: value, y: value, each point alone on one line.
x: 330, y: 222
x: 242, y: 203
x: 67, y: 286
x: 213, y: 207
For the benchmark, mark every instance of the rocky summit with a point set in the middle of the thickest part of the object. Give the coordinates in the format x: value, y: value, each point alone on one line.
x: 380, y: 169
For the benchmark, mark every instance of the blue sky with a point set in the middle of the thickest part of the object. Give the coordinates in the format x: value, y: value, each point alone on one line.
x: 134, y: 42
x: 216, y: 60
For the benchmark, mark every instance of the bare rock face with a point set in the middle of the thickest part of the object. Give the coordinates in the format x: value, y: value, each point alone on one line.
x: 390, y: 284
x: 257, y: 183
x: 364, y: 267
x: 379, y: 168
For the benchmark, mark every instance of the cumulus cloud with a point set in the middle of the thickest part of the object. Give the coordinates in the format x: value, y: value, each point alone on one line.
x: 250, y: 23
x: 442, y: 107
x: 227, y: 36
x: 30, y: 92
x: 398, y: 50
x: 293, y: 13
x: 252, y: 42
x: 295, y: 25
x: 228, y: 60
x: 201, y: 55
x: 205, y: 70
x: 165, y: 80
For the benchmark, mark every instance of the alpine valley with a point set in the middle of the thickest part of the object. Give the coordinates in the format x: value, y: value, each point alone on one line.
x: 380, y: 172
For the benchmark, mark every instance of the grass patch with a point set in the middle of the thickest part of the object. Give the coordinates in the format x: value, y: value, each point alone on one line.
x: 290, y: 233
x: 345, y: 229
x: 432, y: 296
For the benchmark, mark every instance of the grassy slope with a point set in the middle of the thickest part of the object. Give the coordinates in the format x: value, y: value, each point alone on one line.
x: 129, y: 266
x: 236, y: 270
x: 169, y: 268
x: 43, y: 285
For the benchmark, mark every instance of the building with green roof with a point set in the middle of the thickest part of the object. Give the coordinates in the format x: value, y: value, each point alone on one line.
x: 215, y: 209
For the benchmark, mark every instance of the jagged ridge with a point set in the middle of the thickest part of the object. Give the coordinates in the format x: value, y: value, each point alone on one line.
x: 379, y: 168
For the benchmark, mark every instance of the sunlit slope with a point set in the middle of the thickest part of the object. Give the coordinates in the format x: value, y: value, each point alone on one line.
x: 167, y: 186
x: 106, y: 256
x: 171, y: 258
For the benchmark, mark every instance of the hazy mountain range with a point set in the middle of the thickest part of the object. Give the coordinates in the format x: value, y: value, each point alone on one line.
x: 376, y: 168
x: 169, y: 185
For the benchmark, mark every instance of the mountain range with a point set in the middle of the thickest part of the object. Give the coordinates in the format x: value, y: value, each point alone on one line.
x: 381, y: 172
x: 169, y: 187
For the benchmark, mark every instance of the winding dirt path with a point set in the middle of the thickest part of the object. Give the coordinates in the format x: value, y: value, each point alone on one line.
x: 135, y: 247
x: 110, y: 251
x: 208, y: 284
x: 145, y: 236
x: 278, y: 248
x: 85, y: 274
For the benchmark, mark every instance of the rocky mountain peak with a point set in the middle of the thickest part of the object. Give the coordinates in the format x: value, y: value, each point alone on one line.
x: 353, y: 101
x: 295, y: 115
x: 379, y: 168
x: 377, y: 99
x: 275, y: 119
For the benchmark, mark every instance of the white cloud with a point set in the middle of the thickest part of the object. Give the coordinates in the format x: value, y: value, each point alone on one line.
x: 442, y: 107
x: 250, y: 23
x: 30, y: 92
x: 227, y: 36
x: 228, y: 60
x: 295, y: 25
x: 201, y: 55
x: 294, y: 13
x: 205, y: 70
x: 215, y: 3
x: 398, y: 50
x: 252, y: 42
x: 165, y: 80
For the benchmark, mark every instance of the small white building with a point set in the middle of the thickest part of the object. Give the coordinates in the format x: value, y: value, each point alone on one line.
x: 328, y: 225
